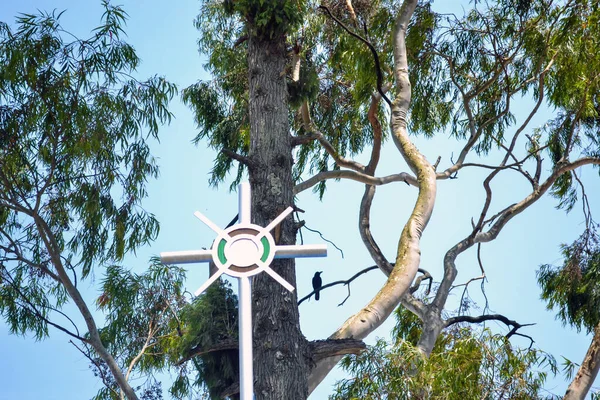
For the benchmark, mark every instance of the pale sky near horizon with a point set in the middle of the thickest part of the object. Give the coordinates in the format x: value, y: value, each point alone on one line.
x: 165, y: 39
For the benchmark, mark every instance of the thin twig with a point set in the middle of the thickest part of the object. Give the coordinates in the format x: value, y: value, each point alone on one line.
x: 324, y: 238
x: 346, y: 282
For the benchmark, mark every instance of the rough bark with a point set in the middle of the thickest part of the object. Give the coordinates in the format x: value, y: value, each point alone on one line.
x: 280, y: 366
x: 588, y: 371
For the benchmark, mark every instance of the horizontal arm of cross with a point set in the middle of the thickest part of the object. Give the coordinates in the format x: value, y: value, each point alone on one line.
x: 301, y: 251
x: 186, y: 257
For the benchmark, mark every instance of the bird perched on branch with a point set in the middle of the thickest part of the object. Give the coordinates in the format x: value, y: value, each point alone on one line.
x: 317, y: 282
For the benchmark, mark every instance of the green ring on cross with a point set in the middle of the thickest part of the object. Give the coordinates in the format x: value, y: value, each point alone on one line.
x: 266, y: 248
x: 221, y: 251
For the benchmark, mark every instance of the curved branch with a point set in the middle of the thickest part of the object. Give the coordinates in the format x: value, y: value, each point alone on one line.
x: 101, y: 371
x: 425, y: 276
x: 94, y: 340
x: 408, y: 258
x: 238, y: 157
x: 355, y: 176
x: 364, y: 218
x: 501, y: 220
x: 519, y: 207
x: 304, y: 139
x: 491, y: 317
x: 33, y: 309
x: 364, y: 222
x: 342, y: 162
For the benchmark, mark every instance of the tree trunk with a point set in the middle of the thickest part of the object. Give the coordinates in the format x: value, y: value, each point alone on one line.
x: 587, y: 372
x: 280, y: 368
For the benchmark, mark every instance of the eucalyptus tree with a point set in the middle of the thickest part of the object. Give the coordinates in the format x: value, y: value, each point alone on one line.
x: 300, y: 88
x: 466, y: 363
x: 75, y: 128
x: 573, y: 288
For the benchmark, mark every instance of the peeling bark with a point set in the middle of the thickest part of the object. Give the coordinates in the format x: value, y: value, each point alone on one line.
x: 408, y: 255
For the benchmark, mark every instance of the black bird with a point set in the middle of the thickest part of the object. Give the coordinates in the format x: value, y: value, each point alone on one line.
x: 317, y: 283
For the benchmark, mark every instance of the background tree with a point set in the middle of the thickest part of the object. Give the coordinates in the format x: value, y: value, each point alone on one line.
x: 386, y: 67
x: 74, y: 163
x: 465, y: 364
x: 573, y: 289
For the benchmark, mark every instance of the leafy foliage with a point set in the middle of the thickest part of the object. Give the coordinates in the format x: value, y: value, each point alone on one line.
x: 210, y: 321
x: 465, y: 364
x: 574, y: 287
x: 268, y: 18
x: 467, y: 76
x: 221, y: 106
x: 74, y: 160
x: 144, y: 307
x: 75, y: 128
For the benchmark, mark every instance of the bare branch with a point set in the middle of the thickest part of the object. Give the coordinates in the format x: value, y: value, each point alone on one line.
x: 364, y: 220
x: 238, y: 157
x: 500, y: 222
x: 99, y: 368
x: 519, y: 207
x: 228, y: 344
x: 320, y: 349
x: 94, y: 340
x: 377, y: 131
x: 304, y: 139
x: 346, y: 282
x: 31, y: 308
x: 491, y: 317
x: 355, y: 176
x: 414, y: 305
x: 323, y: 238
x: 425, y: 276
x: 151, y: 333
x: 342, y: 162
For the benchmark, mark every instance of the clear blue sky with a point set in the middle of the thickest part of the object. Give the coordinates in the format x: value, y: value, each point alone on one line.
x: 165, y: 39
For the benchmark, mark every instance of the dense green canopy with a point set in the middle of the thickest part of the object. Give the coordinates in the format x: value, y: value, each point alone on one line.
x: 75, y: 129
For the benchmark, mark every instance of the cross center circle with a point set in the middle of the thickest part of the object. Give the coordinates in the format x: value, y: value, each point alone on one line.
x: 243, y: 252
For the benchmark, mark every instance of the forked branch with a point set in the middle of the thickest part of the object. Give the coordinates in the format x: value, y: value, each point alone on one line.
x: 342, y: 282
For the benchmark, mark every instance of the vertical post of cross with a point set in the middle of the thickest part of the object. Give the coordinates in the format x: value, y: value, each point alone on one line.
x: 245, y: 308
x: 250, y: 248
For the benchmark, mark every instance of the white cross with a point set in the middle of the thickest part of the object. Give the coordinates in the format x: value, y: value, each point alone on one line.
x: 242, y: 251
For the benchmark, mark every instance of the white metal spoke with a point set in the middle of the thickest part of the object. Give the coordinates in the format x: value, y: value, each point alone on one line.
x: 279, y: 218
x: 208, y: 282
x: 279, y: 279
x: 210, y: 224
x: 245, y: 337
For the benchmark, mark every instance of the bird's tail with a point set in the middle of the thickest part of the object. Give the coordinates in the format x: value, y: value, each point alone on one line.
x: 317, y: 295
